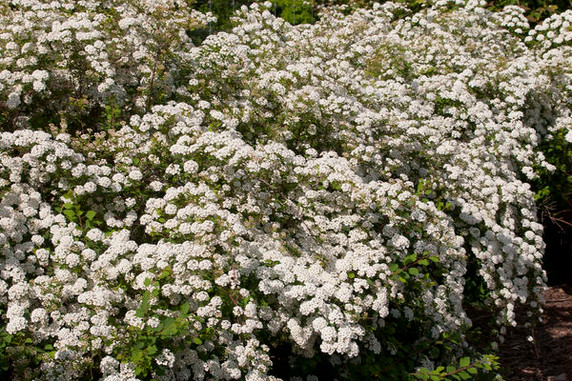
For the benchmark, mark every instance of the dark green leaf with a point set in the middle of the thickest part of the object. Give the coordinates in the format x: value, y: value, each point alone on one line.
x: 70, y: 214
x: 152, y: 350
x: 168, y: 323
x: 464, y: 362
x: 464, y: 375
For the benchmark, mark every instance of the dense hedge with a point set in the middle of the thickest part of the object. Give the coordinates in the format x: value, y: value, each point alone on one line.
x: 282, y: 201
x: 306, y: 11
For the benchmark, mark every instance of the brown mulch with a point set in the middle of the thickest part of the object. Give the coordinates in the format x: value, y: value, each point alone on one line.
x: 548, y: 357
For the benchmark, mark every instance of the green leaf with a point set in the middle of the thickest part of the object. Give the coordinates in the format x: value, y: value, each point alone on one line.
x: 351, y: 275
x: 473, y: 370
x: 168, y: 323
x: 464, y: 362
x: 70, y: 214
x: 197, y: 341
x: 152, y: 350
x: 410, y: 259
x: 68, y: 205
x: 144, y: 307
x: 424, y: 262
x: 414, y: 271
x: 464, y: 375
x: 139, y: 370
x: 185, y: 308
x: 90, y: 214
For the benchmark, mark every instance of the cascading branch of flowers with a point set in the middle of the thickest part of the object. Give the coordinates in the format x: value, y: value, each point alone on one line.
x: 319, y: 198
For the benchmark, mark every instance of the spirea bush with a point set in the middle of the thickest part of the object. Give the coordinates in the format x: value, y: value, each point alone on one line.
x: 279, y: 202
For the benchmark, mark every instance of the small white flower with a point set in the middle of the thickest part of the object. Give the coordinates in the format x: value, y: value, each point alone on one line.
x: 95, y: 235
x: 90, y: 187
x: 39, y: 86
x: 191, y: 166
x: 135, y: 175
x: 217, y: 114
x: 153, y: 322
x: 166, y: 359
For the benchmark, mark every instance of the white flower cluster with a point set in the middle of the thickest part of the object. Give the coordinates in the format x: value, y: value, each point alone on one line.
x: 320, y: 186
x: 512, y: 18
x: 552, y: 43
x: 553, y: 32
x: 73, y: 58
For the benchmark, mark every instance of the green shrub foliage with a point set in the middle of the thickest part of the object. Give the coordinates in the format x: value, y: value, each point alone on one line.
x: 277, y: 203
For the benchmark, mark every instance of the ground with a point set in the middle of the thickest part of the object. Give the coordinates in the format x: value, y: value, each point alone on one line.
x: 545, y: 352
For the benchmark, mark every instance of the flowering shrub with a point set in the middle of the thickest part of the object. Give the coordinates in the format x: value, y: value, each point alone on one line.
x: 75, y: 59
x: 279, y: 201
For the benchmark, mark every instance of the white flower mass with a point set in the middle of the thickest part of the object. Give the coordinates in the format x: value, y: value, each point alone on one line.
x: 311, y: 185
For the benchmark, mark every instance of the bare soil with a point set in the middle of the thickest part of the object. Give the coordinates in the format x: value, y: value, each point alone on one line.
x: 543, y: 353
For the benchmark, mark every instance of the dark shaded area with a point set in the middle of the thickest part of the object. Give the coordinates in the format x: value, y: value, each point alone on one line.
x: 283, y: 367
x: 558, y: 254
x: 542, y: 353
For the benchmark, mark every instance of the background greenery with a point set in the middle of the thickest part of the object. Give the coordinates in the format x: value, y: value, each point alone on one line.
x: 306, y: 11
